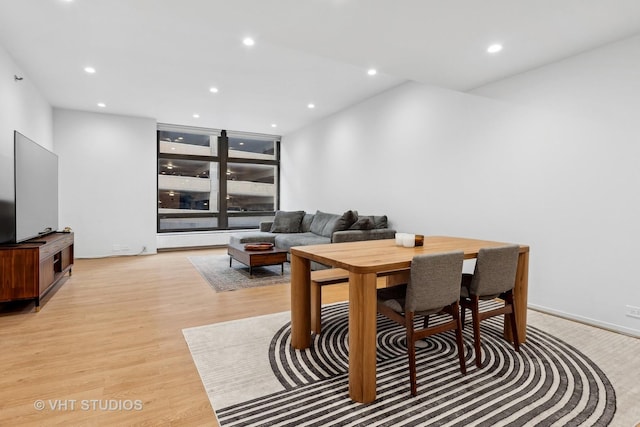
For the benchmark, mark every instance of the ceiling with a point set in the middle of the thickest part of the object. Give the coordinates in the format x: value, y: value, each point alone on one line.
x: 159, y: 58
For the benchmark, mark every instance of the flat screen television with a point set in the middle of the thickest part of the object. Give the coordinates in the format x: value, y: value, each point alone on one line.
x: 32, y: 210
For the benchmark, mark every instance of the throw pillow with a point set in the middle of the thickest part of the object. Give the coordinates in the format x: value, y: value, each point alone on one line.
x: 363, y: 223
x: 380, y: 221
x: 345, y: 221
x: 287, y: 222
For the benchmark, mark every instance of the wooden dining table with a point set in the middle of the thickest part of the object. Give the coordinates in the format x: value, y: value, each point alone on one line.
x: 365, y: 260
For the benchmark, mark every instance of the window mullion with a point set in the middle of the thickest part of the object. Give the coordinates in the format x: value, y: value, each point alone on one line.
x: 222, y: 179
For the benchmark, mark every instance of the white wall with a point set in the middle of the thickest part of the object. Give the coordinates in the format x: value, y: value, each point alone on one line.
x: 562, y: 180
x: 107, y: 166
x: 107, y: 170
x: 593, y: 179
x: 107, y: 181
x: 22, y: 108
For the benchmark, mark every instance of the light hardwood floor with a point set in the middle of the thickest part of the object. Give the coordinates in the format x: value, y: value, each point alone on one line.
x: 113, y: 332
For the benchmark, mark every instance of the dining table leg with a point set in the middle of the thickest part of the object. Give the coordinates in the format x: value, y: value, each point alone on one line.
x: 300, y: 302
x: 362, y: 337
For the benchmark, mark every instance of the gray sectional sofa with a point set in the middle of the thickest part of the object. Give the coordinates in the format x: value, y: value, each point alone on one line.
x: 298, y: 228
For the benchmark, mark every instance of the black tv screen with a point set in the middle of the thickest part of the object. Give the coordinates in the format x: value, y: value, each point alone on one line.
x: 35, y: 200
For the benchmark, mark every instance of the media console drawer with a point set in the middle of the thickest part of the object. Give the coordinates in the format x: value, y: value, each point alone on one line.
x: 47, y: 251
x: 56, y: 246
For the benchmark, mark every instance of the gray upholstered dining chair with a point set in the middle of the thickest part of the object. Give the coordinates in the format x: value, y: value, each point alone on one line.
x: 434, y: 286
x: 493, y: 277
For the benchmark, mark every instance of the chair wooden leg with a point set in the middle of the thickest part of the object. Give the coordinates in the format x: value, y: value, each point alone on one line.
x: 411, y: 352
x: 512, y: 319
x: 426, y: 322
x: 459, y: 342
x: 475, y: 314
x: 462, y: 313
x: 316, y: 307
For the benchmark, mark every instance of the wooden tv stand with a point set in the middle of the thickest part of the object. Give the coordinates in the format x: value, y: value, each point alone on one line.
x: 30, y: 269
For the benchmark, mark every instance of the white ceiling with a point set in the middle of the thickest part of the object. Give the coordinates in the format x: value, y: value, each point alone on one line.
x: 158, y: 58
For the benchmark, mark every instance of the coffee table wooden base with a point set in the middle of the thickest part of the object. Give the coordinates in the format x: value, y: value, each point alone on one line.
x: 252, y: 259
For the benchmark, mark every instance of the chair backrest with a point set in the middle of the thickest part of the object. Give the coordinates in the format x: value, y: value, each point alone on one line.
x: 435, y: 281
x: 495, y: 271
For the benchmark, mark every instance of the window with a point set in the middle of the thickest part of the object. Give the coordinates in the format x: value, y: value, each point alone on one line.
x: 214, y: 180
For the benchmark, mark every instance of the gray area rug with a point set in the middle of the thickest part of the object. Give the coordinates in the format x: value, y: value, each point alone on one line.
x: 216, y: 271
x: 548, y: 383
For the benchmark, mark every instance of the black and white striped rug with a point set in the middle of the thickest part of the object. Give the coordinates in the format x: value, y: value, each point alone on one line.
x: 548, y: 383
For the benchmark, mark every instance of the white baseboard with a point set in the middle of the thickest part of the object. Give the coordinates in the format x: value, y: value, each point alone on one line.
x: 587, y: 321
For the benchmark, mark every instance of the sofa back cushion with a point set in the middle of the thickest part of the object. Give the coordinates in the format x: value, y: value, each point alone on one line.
x: 287, y: 222
x: 305, y: 225
x: 325, y: 224
x: 287, y: 241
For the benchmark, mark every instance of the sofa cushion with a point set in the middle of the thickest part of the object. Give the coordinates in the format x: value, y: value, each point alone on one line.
x: 287, y: 222
x: 358, y: 235
x: 266, y: 226
x: 238, y: 239
x: 325, y: 224
x: 305, y: 225
x: 320, y: 221
x: 363, y: 223
x: 286, y: 241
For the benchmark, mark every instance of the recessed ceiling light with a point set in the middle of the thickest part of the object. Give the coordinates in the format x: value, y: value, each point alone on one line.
x: 196, y: 116
x: 248, y: 41
x: 311, y: 106
x: 213, y: 89
x: 372, y: 72
x: 89, y: 70
x: 494, y: 48
x: 273, y: 125
x: 102, y: 104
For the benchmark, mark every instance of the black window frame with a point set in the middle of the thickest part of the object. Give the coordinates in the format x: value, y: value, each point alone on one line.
x: 222, y: 159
